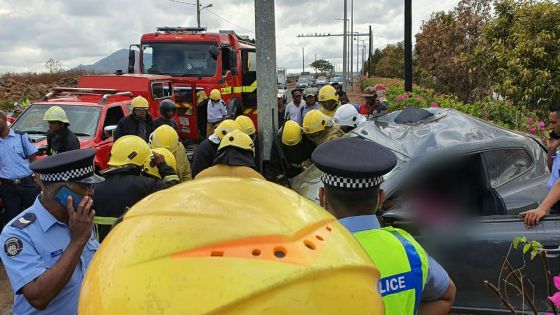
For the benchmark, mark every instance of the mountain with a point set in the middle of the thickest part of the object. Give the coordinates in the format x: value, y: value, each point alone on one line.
x: 115, y: 61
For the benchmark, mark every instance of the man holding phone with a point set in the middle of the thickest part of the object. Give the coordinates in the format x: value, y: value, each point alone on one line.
x: 47, y: 249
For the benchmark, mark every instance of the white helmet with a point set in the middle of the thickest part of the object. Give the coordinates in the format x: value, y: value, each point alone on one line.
x: 347, y: 115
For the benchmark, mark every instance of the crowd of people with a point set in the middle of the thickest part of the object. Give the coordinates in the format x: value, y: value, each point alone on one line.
x: 58, y: 209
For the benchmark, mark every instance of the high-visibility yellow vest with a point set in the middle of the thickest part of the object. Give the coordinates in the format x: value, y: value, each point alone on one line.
x: 403, y: 265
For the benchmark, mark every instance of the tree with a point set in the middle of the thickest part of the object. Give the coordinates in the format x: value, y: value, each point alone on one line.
x: 391, y: 62
x: 446, y: 44
x: 520, y: 49
x: 324, y: 66
x: 53, y: 65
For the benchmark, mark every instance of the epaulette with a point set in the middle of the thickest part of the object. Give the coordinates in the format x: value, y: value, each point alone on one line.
x: 24, y: 221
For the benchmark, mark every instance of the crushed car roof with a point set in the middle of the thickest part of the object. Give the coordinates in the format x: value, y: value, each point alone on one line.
x: 445, y: 128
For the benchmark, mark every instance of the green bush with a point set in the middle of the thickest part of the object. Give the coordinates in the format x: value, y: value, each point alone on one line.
x: 501, y: 113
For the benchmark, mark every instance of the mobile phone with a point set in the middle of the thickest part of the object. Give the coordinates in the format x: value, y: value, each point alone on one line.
x: 62, y: 197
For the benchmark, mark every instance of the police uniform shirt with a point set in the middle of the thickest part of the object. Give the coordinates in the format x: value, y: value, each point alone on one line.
x: 555, y: 173
x: 32, y: 243
x: 14, y: 153
x: 437, y: 281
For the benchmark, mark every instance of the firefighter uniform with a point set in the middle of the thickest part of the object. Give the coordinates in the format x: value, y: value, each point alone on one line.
x: 320, y: 128
x: 131, y: 125
x: 64, y: 139
x: 408, y: 274
x: 205, y: 154
x: 235, y: 158
x: 124, y: 185
x: 166, y: 137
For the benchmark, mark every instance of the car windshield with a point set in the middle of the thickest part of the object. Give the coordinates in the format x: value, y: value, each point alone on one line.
x: 179, y: 59
x: 83, y: 119
x: 337, y: 79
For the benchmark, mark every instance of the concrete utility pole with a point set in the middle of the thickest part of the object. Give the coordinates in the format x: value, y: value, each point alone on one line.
x: 267, y: 106
x: 351, y: 43
x: 345, y: 48
x: 408, y: 45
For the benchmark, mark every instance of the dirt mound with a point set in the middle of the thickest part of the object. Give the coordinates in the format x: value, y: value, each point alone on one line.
x: 12, y: 90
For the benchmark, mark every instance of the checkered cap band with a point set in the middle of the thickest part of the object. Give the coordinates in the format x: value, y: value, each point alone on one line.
x: 351, y: 183
x: 70, y: 175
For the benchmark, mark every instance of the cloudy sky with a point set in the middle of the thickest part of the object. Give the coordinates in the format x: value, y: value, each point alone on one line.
x: 84, y: 31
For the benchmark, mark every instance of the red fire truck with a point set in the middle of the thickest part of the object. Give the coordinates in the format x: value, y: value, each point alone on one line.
x: 198, y: 60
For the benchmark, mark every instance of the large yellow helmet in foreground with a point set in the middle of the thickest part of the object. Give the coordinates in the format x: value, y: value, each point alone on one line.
x: 259, y: 249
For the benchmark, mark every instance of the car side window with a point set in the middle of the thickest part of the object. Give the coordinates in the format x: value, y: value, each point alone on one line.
x: 506, y: 164
x: 114, y: 115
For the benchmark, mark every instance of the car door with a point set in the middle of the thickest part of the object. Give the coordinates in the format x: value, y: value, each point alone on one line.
x: 472, y: 247
x: 111, y: 117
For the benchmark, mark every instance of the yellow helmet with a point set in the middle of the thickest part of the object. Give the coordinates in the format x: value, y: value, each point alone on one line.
x: 315, y: 121
x: 215, y: 95
x: 291, y: 133
x: 246, y: 124
x: 294, y: 257
x: 226, y: 127
x: 139, y: 102
x: 151, y: 168
x: 238, y: 139
x: 165, y: 137
x: 129, y: 150
x: 56, y: 113
x: 327, y: 93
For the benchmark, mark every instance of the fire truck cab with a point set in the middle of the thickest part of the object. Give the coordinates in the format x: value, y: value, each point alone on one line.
x: 200, y: 61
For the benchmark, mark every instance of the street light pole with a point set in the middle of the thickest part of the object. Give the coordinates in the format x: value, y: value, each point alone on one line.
x: 408, y: 45
x: 198, y: 12
x: 345, y: 48
x: 351, y: 42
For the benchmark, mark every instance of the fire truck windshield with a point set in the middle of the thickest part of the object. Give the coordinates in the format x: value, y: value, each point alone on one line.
x: 179, y: 59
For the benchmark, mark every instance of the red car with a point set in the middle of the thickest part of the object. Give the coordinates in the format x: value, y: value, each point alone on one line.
x: 93, y: 114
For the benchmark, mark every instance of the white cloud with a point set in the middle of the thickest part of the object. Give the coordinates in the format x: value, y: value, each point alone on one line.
x: 85, y: 31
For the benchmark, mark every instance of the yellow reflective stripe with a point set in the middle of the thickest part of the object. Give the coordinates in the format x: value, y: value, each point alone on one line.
x: 226, y: 90
x: 170, y: 178
x: 104, y: 220
x: 247, y: 111
x: 241, y: 89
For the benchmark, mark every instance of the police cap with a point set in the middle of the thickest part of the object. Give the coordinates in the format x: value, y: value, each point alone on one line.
x: 353, y: 163
x: 70, y: 166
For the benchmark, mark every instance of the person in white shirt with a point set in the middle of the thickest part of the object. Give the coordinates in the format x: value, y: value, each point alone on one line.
x: 216, y: 111
x: 293, y: 109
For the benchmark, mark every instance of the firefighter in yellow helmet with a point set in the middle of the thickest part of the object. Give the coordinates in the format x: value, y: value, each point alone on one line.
x: 248, y: 127
x: 215, y: 112
x: 59, y: 137
x: 150, y: 168
x: 124, y: 184
x: 190, y: 249
x: 320, y: 128
x: 205, y: 154
x: 329, y: 100
x: 236, y: 157
x: 138, y: 123
x: 291, y: 156
x: 166, y: 137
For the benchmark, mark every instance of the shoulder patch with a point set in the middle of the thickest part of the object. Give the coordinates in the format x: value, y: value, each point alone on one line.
x: 13, y: 246
x: 24, y: 220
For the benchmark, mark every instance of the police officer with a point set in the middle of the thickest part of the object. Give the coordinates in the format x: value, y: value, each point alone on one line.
x: 411, y: 281
x: 138, y: 123
x: 167, y: 109
x: 236, y: 158
x: 59, y: 137
x: 17, y: 187
x: 48, y: 248
x: 320, y: 128
x: 124, y: 184
x: 205, y: 153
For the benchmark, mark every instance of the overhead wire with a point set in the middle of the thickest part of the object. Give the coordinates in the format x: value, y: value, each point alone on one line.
x: 228, y: 21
